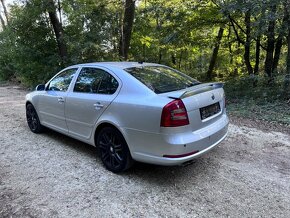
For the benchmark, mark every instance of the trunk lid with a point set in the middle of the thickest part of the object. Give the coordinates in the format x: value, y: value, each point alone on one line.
x: 204, y: 103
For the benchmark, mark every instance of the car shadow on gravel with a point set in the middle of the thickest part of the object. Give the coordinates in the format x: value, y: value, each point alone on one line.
x: 77, y: 145
x: 168, y: 176
x: 153, y: 174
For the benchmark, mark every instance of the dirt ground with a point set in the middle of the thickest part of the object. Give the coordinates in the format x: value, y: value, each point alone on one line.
x: 50, y: 175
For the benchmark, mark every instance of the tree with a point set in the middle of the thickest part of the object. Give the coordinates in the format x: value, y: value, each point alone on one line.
x: 279, y: 42
x: 215, y: 54
x: 5, y: 11
x: 58, y: 31
x: 247, y: 43
x: 270, y: 40
x: 288, y: 39
x: 126, y: 29
x: 2, y: 21
x: 209, y: 40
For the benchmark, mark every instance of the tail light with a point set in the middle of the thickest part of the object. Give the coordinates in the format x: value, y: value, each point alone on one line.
x: 174, y: 114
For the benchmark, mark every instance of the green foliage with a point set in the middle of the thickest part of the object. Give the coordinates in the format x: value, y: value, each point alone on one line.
x: 274, y: 112
x: 176, y: 33
x: 92, y: 30
x: 254, y: 98
x: 255, y: 88
x: 26, y: 57
x: 181, y: 34
x: 28, y: 47
x: 7, y: 68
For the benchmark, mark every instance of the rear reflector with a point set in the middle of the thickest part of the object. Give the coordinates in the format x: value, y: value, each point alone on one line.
x: 180, y: 155
x: 174, y: 114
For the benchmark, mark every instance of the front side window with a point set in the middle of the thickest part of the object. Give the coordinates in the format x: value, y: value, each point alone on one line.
x: 93, y: 80
x: 62, y: 81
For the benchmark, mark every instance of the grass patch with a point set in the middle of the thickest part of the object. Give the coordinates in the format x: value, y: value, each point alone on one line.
x: 261, y: 101
x: 274, y: 112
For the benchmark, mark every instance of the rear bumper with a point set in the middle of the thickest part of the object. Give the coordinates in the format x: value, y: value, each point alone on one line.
x: 151, y: 148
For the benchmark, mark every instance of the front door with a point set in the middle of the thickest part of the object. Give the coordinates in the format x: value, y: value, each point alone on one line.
x: 52, y: 102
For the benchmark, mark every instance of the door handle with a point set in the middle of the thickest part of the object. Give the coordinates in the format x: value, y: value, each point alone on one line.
x: 98, y: 106
x: 60, y: 99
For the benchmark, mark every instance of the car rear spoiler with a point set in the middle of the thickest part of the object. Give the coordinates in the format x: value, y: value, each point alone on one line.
x: 202, y: 88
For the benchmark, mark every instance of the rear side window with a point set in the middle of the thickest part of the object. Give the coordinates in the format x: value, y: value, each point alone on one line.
x: 93, y: 80
x: 161, y: 79
x: 62, y: 81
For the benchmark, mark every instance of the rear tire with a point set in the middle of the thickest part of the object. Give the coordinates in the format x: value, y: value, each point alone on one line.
x: 113, y: 150
x: 33, y: 120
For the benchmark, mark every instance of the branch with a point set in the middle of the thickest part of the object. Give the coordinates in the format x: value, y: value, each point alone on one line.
x: 236, y: 32
x: 2, y: 22
x: 233, y: 22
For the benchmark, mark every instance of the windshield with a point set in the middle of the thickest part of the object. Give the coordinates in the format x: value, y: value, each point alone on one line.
x: 162, y: 79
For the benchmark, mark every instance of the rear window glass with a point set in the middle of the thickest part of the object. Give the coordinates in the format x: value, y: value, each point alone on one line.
x: 162, y: 79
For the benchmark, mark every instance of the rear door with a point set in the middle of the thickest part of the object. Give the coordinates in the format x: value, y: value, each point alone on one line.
x: 52, y: 103
x: 93, y: 92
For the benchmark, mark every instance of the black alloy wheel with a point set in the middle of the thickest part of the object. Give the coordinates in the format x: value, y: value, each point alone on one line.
x: 32, y: 119
x: 113, y: 150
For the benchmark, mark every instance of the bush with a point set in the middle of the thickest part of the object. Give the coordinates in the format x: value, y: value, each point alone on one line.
x: 254, y: 98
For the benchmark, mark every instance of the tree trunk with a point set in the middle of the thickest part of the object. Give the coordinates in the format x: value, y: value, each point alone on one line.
x: 180, y: 59
x: 209, y: 73
x: 279, y: 43
x: 248, y: 42
x: 144, y: 52
x: 287, y: 76
x: 127, y: 29
x: 270, y: 44
x: 58, y: 31
x: 258, y: 49
x: 277, y: 54
x: 173, y: 59
x: 230, y: 45
x: 288, y: 41
x: 5, y: 11
x: 2, y: 22
x: 159, y: 56
x: 59, y: 11
x: 288, y: 52
x: 258, y: 46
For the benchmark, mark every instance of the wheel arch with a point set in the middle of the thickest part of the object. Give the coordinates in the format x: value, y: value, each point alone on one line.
x: 28, y: 102
x: 104, y: 124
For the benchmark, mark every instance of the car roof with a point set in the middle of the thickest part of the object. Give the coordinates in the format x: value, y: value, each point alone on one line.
x: 120, y: 65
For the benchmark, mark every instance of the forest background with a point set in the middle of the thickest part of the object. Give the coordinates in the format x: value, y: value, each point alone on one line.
x: 244, y: 43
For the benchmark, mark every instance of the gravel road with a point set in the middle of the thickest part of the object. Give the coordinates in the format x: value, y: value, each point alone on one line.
x: 51, y: 175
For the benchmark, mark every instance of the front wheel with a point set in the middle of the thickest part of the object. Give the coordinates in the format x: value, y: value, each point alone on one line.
x: 113, y: 150
x: 33, y: 120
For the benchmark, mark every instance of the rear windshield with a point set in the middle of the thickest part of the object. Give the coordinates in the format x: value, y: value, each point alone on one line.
x: 162, y: 79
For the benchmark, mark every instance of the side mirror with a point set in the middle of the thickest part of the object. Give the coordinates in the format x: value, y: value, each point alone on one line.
x: 40, y: 87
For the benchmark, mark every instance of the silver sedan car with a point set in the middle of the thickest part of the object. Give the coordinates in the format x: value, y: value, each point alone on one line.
x: 131, y: 111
